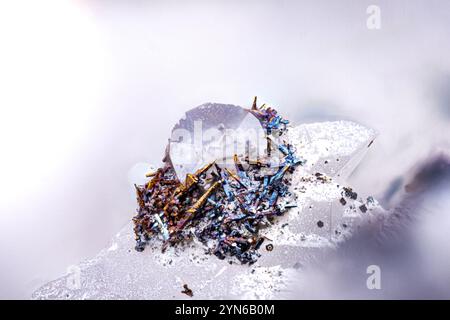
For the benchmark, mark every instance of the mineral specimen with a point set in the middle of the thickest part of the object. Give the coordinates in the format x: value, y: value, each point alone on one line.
x: 332, y: 149
x: 220, y: 205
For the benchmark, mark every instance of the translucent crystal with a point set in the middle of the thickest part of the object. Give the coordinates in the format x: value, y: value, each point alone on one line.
x: 214, y: 132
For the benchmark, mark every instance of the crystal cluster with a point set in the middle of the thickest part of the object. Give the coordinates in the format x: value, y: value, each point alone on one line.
x: 223, y: 207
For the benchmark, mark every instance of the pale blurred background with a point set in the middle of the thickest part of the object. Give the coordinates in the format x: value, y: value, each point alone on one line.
x: 90, y: 88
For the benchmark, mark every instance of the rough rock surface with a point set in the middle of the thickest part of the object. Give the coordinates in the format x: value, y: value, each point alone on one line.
x: 327, y: 213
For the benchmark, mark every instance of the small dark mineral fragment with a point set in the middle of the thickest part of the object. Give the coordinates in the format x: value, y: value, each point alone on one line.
x: 320, y: 224
x: 342, y: 201
x: 140, y: 246
x: 363, y: 208
x: 187, y: 291
x: 349, y: 193
x: 259, y: 243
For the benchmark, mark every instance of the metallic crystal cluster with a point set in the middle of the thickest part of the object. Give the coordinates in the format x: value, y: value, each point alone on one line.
x: 224, y: 207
